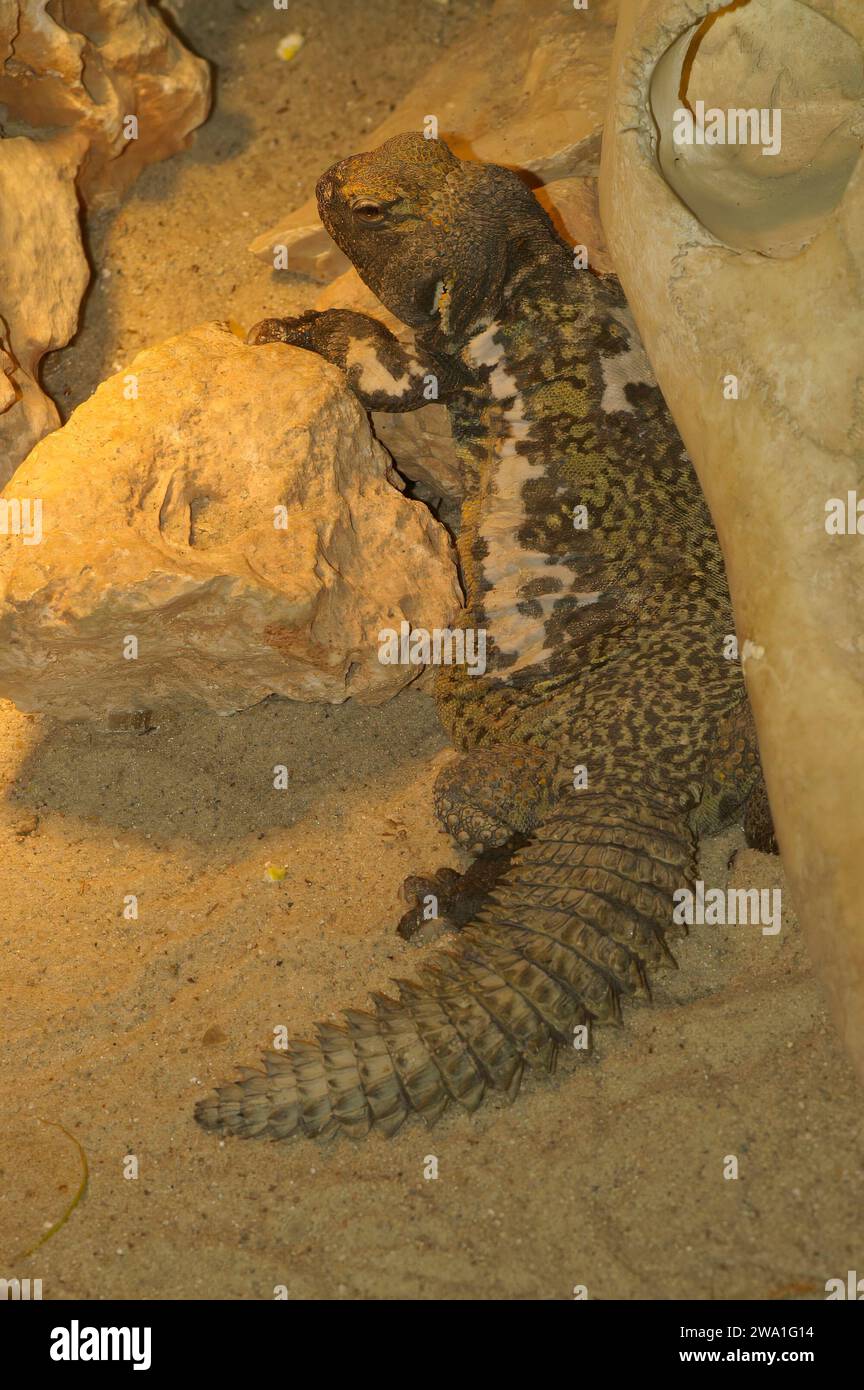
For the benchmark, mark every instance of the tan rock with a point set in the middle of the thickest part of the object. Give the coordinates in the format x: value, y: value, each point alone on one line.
x: 573, y: 206
x: 228, y: 509
x: 772, y: 194
x: 9, y: 391
x: 750, y: 303
x: 80, y: 70
x: 530, y: 95
x: 421, y: 445
x: 92, y: 67
x: 44, y: 276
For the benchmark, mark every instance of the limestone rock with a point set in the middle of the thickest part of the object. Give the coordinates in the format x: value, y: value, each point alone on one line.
x: 44, y: 276
x: 8, y: 390
x: 225, y: 511
x: 769, y: 194
x: 528, y: 94
x: 91, y: 64
x: 77, y: 69
x: 573, y: 206
x: 745, y: 275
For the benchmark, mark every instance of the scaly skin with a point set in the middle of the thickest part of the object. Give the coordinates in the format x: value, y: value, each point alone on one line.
x: 605, y: 644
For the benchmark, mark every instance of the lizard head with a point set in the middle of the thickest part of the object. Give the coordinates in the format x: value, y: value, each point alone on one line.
x: 430, y: 234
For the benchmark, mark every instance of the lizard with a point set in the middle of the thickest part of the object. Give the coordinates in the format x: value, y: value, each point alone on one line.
x: 609, y: 728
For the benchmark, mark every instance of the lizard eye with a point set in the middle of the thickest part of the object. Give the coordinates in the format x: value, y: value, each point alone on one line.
x: 367, y: 210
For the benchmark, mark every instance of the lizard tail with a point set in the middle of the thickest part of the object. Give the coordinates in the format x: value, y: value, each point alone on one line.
x: 574, y: 924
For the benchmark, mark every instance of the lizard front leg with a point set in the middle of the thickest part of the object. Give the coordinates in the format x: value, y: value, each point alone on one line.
x: 382, y: 372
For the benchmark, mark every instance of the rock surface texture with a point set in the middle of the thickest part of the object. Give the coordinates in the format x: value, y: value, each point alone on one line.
x: 747, y: 289
x: 217, y: 525
x: 90, y: 65
x: 44, y: 276
x: 108, y: 88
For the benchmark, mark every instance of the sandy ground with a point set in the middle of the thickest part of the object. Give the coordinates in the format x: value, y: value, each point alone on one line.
x: 609, y: 1175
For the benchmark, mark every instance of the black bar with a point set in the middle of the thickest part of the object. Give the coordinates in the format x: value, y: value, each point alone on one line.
x: 248, y: 1337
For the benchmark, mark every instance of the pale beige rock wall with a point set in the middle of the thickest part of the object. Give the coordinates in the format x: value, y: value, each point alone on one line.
x: 44, y: 276
x: 772, y: 296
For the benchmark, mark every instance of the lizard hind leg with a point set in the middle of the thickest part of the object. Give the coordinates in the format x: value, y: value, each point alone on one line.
x: 758, y: 820
x: 735, y: 787
x: 484, y: 797
x: 489, y: 801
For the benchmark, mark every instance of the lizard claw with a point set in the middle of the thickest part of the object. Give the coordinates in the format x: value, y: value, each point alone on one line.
x: 447, y: 900
x: 268, y: 331
x: 430, y: 896
x: 292, y: 330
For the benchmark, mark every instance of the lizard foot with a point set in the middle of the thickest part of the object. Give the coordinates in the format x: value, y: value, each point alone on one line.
x: 447, y: 900
x: 489, y: 801
x: 293, y: 330
x: 485, y: 797
x: 428, y: 897
x: 758, y: 820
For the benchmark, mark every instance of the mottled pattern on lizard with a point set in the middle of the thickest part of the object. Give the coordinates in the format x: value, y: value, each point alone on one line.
x: 589, y: 558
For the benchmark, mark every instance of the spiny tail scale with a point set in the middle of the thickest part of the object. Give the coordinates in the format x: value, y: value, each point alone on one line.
x: 576, y: 921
